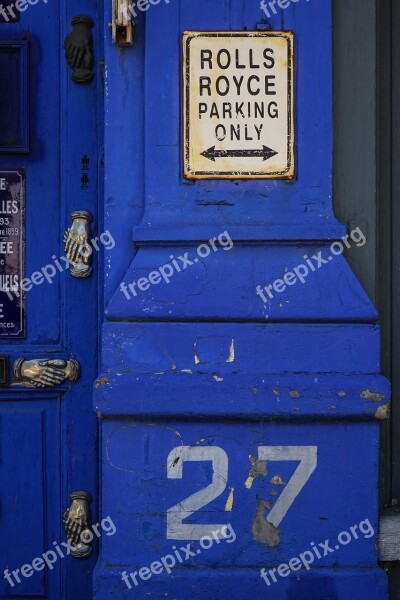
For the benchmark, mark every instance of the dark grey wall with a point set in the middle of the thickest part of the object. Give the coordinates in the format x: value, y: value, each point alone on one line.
x: 354, y: 184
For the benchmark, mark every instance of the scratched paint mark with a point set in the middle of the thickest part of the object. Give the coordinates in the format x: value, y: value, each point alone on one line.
x: 229, y: 502
x: 116, y: 434
x: 277, y: 480
x: 374, y: 397
x: 187, y: 371
x: 208, y: 438
x: 258, y: 468
x: 196, y: 358
x: 231, y: 356
x: 263, y: 531
x: 218, y: 378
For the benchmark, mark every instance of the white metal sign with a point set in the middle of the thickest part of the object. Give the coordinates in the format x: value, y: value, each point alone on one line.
x: 238, y: 104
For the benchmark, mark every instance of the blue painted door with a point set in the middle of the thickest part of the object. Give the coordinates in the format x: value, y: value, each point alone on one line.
x: 239, y: 392
x: 48, y: 143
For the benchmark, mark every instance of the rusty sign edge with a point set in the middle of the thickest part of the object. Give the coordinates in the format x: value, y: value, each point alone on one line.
x: 188, y: 174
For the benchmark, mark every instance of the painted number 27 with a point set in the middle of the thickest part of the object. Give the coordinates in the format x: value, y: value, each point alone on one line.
x: 177, y: 530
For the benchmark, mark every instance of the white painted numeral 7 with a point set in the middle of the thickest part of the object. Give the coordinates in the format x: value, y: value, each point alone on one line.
x: 307, y: 455
x: 176, y: 529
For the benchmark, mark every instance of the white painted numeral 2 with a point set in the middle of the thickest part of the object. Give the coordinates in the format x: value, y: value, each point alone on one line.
x: 177, y: 530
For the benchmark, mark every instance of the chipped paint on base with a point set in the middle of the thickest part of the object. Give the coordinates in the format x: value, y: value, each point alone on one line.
x: 263, y: 531
x: 231, y: 357
x: 374, y: 397
x: 277, y: 480
x: 383, y: 412
x: 229, y: 502
x: 258, y: 467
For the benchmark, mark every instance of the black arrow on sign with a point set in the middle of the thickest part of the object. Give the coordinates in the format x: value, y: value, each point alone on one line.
x: 265, y: 153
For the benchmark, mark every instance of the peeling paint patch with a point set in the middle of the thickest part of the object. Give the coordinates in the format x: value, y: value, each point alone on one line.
x: 218, y: 378
x: 277, y: 392
x: 101, y: 381
x: 263, y: 531
x: 231, y: 356
x: 294, y: 394
x: 374, y: 397
x: 383, y: 412
x: 229, y: 502
x: 258, y: 467
x: 277, y: 480
x: 341, y: 394
x: 187, y: 371
x: 249, y: 482
x: 196, y: 358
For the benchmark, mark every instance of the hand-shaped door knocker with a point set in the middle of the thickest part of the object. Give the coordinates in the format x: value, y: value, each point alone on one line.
x: 45, y: 372
x: 76, y: 243
x: 79, y: 49
x: 76, y: 521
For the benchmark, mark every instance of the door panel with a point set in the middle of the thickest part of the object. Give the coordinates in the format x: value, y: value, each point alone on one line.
x: 30, y: 472
x: 48, y: 436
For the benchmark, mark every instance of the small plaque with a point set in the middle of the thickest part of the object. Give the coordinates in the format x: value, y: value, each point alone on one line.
x: 12, y: 253
x: 238, y: 105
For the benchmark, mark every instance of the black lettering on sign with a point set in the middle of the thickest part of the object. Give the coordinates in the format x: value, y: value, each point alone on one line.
x: 224, y: 59
x: 269, y: 62
x: 206, y: 56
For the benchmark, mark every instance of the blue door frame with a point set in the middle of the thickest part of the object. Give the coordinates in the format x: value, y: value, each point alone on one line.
x: 275, y: 402
x: 49, y: 435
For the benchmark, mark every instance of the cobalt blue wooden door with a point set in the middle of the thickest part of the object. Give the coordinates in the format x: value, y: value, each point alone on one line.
x: 239, y: 393
x: 48, y: 169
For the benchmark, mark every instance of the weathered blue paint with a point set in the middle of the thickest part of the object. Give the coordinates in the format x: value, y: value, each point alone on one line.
x: 202, y: 366
x: 48, y: 437
x: 319, y: 298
